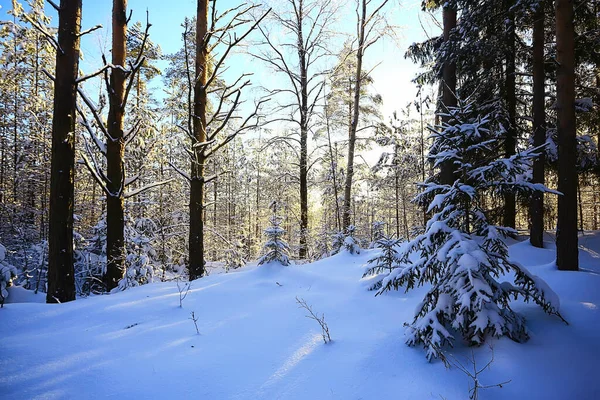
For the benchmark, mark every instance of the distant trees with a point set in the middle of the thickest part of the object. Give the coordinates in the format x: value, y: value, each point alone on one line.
x: 323, y: 114
x: 210, y: 133
x: 370, y: 27
x: 298, y: 56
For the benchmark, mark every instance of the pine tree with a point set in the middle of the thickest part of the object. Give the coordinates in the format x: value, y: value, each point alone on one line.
x: 466, y: 295
x: 276, y: 250
x: 61, y: 279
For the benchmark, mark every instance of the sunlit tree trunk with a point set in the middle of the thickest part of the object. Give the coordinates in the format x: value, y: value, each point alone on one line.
x: 61, y: 276
x: 196, y: 238
x: 115, y: 150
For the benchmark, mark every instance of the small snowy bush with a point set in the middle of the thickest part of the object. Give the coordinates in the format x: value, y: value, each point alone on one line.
x: 234, y: 257
x: 337, y: 242
x: 139, y: 261
x: 350, y: 243
x: 7, y: 274
x: 460, y: 254
x: 378, y: 233
x: 275, y: 249
x: 384, y: 262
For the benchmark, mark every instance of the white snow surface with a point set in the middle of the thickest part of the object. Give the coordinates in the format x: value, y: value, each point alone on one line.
x: 255, y: 343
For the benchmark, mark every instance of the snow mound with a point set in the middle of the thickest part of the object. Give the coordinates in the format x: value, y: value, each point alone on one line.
x: 256, y: 343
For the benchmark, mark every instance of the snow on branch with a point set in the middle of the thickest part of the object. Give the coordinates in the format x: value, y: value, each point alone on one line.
x: 145, y: 188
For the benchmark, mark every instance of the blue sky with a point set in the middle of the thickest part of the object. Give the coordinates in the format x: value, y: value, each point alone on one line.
x: 392, y: 75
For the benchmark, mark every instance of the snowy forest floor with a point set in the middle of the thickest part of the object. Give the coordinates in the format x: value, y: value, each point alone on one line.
x: 255, y: 343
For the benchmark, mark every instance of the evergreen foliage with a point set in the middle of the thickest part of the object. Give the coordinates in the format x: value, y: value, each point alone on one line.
x: 460, y: 254
x: 276, y: 250
x: 350, y: 243
x: 384, y: 262
x: 337, y: 242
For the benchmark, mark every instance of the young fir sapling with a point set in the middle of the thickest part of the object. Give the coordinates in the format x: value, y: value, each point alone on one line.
x: 383, y: 263
x: 276, y: 250
x: 461, y: 254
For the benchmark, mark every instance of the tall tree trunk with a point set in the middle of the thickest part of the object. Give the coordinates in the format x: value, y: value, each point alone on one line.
x: 355, y: 115
x: 510, y: 144
x: 567, y: 256
x: 448, y: 89
x: 115, y: 151
x: 304, y: 120
x: 61, y: 276
x: 196, y: 239
x: 333, y: 166
x: 536, y: 209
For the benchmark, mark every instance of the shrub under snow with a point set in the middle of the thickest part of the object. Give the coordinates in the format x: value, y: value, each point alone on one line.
x: 7, y: 274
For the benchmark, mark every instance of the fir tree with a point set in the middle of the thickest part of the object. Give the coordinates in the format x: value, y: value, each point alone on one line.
x: 350, y: 243
x: 463, y: 271
x: 276, y: 249
x: 337, y: 241
x: 383, y: 263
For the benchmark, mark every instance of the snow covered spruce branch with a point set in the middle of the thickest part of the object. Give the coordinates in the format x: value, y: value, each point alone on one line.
x: 461, y: 254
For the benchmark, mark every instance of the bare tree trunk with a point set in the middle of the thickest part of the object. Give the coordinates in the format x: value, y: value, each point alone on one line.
x: 338, y: 223
x: 196, y: 239
x: 448, y: 89
x: 510, y: 144
x: 567, y: 256
x: 61, y: 276
x: 539, y: 127
x: 355, y: 114
x: 304, y: 119
x: 115, y: 151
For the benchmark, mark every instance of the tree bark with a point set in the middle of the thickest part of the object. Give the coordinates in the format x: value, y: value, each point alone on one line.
x: 115, y: 151
x: 509, y: 215
x: 567, y: 256
x: 196, y: 239
x: 304, y: 120
x: 355, y: 115
x: 61, y: 276
x: 448, y: 89
x: 536, y: 209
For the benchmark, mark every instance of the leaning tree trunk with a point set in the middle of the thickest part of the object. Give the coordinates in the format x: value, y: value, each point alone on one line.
x: 510, y: 143
x: 115, y: 151
x: 196, y: 239
x: 355, y: 115
x: 536, y: 209
x: 566, y: 233
x: 448, y: 88
x: 61, y: 276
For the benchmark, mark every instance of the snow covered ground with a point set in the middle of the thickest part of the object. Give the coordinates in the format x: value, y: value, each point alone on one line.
x: 255, y: 343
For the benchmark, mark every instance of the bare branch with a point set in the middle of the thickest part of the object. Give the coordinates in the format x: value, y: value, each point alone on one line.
x: 90, y: 30
x: 145, y: 188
